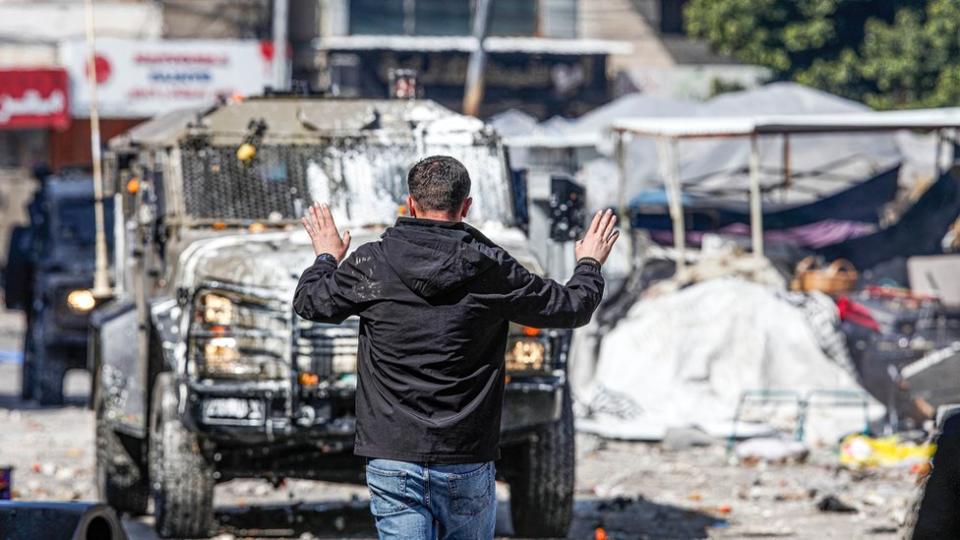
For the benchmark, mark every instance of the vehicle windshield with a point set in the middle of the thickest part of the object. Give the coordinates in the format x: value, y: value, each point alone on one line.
x: 363, y: 182
x: 75, y: 221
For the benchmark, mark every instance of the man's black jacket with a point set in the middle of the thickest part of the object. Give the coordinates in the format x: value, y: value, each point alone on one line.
x: 434, y: 300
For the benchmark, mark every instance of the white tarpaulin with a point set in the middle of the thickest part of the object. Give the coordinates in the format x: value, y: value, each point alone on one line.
x: 145, y: 78
x: 684, y: 359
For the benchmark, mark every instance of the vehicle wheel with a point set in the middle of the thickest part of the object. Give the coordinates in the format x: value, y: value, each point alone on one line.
x: 541, y: 489
x: 48, y: 373
x: 27, y: 379
x: 121, y: 474
x: 181, y: 478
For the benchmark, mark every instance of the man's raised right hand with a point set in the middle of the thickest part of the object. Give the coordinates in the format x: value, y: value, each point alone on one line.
x: 599, y: 238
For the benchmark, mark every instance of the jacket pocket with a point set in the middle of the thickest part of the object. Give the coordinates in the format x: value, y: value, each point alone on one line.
x: 472, y: 492
x: 388, y: 491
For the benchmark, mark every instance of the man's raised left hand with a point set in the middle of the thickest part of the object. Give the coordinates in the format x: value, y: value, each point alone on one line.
x: 323, y: 232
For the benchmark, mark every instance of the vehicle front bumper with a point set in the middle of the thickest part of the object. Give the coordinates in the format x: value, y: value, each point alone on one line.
x: 271, y: 415
x: 531, y: 403
x: 69, y: 338
x: 264, y: 412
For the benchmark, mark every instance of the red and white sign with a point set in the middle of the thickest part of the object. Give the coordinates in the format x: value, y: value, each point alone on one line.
x: 146, y: 78
x: 34, y: 98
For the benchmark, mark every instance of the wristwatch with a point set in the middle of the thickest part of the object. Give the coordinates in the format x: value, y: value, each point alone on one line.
x: 327, y: 258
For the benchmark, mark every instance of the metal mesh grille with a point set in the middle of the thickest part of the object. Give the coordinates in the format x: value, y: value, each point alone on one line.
x: 272, y: 185
x: 362, y: 181
x: 319, y: 346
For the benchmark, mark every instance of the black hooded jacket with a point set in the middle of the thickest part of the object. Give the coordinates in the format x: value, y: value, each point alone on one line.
x: 434, y: 300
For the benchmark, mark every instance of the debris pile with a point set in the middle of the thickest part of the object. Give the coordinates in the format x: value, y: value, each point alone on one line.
x: 891, y: 451
x: 688, y: 358
x: 796, y: 499
x: 771, y: 450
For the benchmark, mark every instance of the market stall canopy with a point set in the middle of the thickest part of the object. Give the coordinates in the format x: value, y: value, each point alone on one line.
x: 674, y: 129
x: 717, y: 167
x: 694, y: 127
x: 860, y: 203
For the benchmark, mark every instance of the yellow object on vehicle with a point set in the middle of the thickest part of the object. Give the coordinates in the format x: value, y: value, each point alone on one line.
x: 246, y: 152
x: 864, y: 451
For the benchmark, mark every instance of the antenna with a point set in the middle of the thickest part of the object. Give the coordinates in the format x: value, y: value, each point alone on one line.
x: 101, y: 282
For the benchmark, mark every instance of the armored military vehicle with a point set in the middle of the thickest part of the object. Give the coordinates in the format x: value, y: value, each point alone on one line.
x: 48, y: 276
x: 204, y: 374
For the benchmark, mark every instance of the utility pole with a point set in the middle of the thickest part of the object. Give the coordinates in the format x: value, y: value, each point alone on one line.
x: 101, y: 282
x: 473, y: 92
x: 281, y: 79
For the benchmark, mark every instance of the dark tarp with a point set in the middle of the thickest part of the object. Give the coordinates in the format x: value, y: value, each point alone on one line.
x: 860, y: 203
x: 918, y: 232
x: 815, y: 235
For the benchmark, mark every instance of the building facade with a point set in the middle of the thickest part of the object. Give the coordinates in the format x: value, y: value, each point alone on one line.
x: 535, y: 60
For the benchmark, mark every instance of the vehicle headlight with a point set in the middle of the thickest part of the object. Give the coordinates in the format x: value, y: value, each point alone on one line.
x: 220, y: 355
x: 524, y: 355
x: 217, y: 309
x: 528, y: 350
x: 243, y: 358
x: 81, y: 300
x: 239, y: 337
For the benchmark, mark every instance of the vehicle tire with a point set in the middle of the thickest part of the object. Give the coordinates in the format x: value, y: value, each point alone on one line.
x: 121, y: 474
x: 541, y: 489
x: 181, y: 477
x: 48, y: 373
x: 27, y: 379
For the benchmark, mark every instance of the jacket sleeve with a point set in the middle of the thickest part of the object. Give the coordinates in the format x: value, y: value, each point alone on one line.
x: 544, y: 303
x: 327, y: 293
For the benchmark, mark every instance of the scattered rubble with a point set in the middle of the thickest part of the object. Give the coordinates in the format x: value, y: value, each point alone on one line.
x: 831, y: 503
x: 771, y: 449
x: 686, y: 438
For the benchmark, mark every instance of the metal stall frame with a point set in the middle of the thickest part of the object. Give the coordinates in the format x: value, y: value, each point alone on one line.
x: 668, y: 131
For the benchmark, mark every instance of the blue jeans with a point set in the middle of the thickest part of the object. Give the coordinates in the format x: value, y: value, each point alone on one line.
x: 432, y: 501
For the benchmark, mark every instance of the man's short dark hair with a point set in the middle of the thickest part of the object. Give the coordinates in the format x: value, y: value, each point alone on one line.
x: 439, y: 183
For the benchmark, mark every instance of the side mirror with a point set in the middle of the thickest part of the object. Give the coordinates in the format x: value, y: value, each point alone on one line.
x: 521, y: 210
x: 567, y: 209
x: 16, y: 276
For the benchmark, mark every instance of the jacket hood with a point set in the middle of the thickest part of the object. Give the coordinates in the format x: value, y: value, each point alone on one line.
x: 434, y: 257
